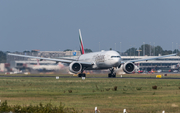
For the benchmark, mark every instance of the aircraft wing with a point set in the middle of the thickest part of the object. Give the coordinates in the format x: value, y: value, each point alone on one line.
x: 146, y: 59
x: 64, y: 58
x: 54, y: 59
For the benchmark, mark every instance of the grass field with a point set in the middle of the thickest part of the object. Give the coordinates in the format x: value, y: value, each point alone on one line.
x: 135, y: 95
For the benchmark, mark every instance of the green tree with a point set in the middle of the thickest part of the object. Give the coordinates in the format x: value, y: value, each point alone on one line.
x: 158, y: 50
x: 132, y: 51
x: 87, y: 50
x: 176, y: 51
x: 166, y: 52
x: 26, y: 51
x: 2, y: 57
x: 148, y: 48
x: 67, y: 50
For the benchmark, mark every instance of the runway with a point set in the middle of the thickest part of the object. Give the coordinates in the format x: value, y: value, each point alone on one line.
x: 2, y: 76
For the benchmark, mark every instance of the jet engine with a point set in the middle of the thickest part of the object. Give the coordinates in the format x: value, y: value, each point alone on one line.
x: 128, y: 67
x: 75, y: 67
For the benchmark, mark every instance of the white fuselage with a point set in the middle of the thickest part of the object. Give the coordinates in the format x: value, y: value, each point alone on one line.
x: 102, y: 60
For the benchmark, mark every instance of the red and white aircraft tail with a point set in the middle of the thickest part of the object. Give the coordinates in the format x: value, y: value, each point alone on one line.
x: 81, y: 42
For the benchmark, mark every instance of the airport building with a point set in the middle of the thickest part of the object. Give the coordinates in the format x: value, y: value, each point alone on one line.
x: 164, y: 64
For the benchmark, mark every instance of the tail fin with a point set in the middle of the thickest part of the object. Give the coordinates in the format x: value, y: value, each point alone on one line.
x: 81, y: 42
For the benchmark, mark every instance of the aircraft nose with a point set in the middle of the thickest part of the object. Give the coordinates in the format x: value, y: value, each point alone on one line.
x: 117, y: 62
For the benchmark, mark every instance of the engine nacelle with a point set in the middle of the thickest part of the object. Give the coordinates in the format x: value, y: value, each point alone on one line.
x: 75, y: 67
x: 128, y: 67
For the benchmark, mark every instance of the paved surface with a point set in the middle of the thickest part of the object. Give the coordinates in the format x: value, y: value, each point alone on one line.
x: 92, y: 77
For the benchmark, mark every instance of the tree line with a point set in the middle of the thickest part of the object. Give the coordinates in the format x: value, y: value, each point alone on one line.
x: 2, y: 57
x: 149, y: 50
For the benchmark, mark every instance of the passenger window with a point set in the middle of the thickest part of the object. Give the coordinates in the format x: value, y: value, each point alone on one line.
x: 115, y: 56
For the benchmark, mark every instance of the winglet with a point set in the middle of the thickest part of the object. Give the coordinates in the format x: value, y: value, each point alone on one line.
x: 81, y: 42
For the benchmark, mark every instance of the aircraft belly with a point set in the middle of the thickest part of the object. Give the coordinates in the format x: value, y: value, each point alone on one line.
x: 102, y: 65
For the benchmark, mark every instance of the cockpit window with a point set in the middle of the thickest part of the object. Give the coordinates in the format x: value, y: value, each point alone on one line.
x: 115, y: 56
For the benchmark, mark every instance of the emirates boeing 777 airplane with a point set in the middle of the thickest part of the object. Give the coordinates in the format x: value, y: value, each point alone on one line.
x: 96, y: 61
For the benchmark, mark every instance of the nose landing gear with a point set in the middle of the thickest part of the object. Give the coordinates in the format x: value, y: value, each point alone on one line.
x: 112, y: 73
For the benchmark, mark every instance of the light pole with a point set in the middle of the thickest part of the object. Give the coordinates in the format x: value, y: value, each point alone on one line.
x: 143, y: 48
x: 120, y: 48
x: 150, y: 49
x: 115, y: 46
x: 172, y: 47
x: 130, y: 51
x: 99, y: 46
x: 154, y: 48
x: 134, y: 50
x: 138, y: 52
x: 176, y: 47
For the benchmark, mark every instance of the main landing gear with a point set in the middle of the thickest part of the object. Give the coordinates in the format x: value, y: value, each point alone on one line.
x: 82, y: 74
x: 112, y: 74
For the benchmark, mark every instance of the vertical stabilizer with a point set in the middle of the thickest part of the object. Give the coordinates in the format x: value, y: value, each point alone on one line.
x: 81, y: 42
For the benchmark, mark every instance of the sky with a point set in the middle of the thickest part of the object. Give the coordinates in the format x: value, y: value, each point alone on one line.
x: 52, y: 25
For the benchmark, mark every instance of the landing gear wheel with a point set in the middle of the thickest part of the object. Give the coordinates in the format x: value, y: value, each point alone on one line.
x: 112, y: 74
x: 81, y: 75
x: 84, y: 75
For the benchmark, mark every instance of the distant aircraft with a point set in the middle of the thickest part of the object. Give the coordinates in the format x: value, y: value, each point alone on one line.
x: 96, y: 61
